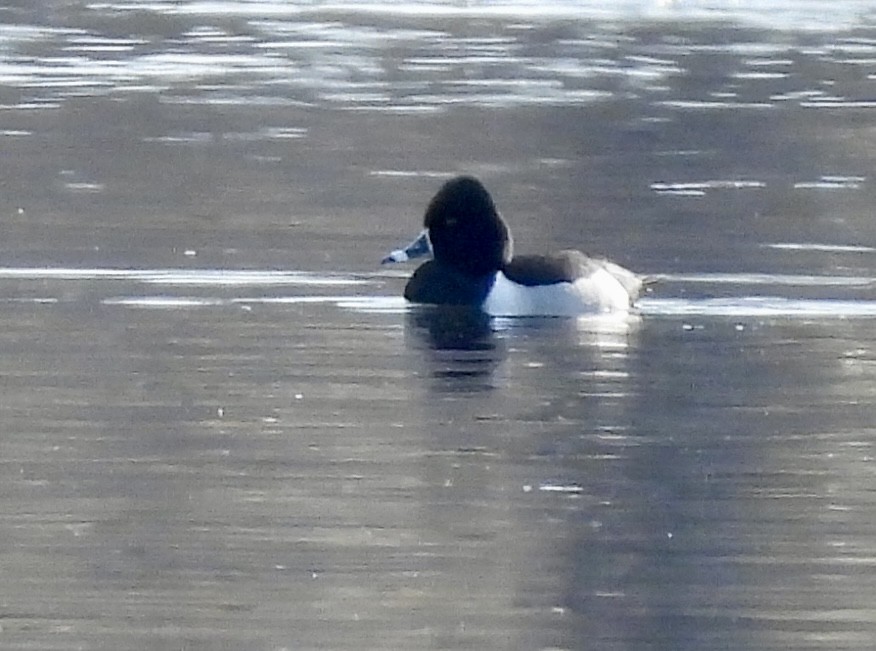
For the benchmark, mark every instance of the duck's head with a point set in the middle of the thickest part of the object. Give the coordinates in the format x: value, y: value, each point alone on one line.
x: 463, y: 230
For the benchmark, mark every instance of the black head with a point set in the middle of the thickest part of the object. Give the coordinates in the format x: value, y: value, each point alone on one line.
x: 466, y: 230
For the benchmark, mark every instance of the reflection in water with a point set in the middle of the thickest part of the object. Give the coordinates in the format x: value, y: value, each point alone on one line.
x: 460, y: 344
x: 453, y: 328
x: 515, y: 473
x: 466, y: 344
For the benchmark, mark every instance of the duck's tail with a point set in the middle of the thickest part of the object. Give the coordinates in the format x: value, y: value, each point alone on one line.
x: 632, y: 282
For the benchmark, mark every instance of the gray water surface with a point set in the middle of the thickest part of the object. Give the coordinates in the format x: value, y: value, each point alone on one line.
x: 222, y: 428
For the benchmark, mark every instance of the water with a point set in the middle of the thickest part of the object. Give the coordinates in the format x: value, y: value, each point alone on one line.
x: 223, y: 428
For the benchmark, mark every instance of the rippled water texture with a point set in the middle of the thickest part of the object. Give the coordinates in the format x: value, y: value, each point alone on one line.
x: 221, y: 426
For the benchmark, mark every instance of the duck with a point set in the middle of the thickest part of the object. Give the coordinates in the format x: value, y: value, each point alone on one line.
x: 472, y: 264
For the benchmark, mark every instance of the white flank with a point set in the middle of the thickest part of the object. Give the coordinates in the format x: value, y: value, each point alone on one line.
x: 599, y: 292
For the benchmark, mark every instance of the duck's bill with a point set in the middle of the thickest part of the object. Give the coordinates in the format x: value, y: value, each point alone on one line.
x: 416, y: 249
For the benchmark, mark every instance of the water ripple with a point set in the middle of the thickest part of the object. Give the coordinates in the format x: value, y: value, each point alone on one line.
x: 409, y: 56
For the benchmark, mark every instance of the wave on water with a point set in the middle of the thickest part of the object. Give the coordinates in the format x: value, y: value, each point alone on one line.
x: 775, y: 14
x: 412, y: 56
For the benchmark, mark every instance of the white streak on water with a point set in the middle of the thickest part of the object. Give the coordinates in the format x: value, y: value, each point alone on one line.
x: 757, y: 306
x: 199, y: 277
x: 163, y: 302
x: 832, y: 183
x: 792, y: 280
x: 839, y: 103
x: 701, y: 104
x: 364, y: 304
x: 38, y: 300
x: 813, y: 246
x: 699, y: 188
x: 745, y: 305
x: 570, y: 489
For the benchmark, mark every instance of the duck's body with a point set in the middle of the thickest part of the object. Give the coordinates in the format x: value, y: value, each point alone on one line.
x: 473, y: 264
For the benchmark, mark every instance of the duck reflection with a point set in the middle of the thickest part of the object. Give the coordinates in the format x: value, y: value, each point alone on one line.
x: 462, y: 345
x: 467, y: 347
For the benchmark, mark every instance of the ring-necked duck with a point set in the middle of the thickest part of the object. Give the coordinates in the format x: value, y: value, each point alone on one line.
x: 473, y: 265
